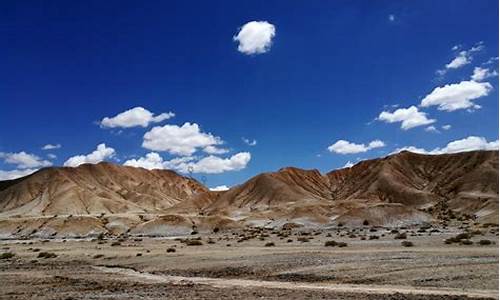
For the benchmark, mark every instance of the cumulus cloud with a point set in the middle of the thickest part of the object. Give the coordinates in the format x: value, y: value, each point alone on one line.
x: 101, y: 153
x: 470, y: 143
x: 220, y: 188
x: 346, y: 147
x: 457, y: 96
x: 481, y: 74
x: 214, y: 164
x: 184, y: 140
x: 255, y: 37
x: 51, y: 147
x: 24, y: 160
x: 446, y: 127
x: 137, y: 116
x: 215, y: 150
x: 409, y: 117
x: 13, y: 174
x: 209, y: 165
x: 51, y: 156
x: 249, y: 142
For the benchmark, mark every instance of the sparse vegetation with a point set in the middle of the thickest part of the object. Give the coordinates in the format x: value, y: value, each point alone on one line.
x: 193, y: 242
x: 330, y: 243
x: 485, y: 242
x: 171, y: 250
x: 47, y: 255
x: 7, y: 255
x: 407, y: 244
x: 400, y: 236
x: 270, y: 244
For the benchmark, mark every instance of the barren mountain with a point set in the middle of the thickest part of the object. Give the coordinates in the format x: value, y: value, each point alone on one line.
x: 400, y: 189
x: 397, y: 184
x: 95, y: 189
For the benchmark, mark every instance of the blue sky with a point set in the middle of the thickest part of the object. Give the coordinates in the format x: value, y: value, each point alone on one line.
x: 307, y: 75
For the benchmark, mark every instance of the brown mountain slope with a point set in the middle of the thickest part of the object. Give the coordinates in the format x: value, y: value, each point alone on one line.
x: 400, y: 183
x: 94, y: 189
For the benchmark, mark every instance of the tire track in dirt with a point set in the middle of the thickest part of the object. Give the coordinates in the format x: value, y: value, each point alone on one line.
x: 341, y: 288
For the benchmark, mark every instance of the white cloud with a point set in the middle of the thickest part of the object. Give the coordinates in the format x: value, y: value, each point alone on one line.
x: 51, y: 156
x: 482, y: 73
x: 210, y: 164
x: 346, y: 147
x: 214, y: 165
x: 151, y: 161
x: 470, y: 143
x: 457, y: 96
x: 13, y: 174
x: 51, y: 147
x: 220, y: 188
x: 431, y: 129
x: 446, y: 127
x: 215, y: 150
x: 101, y: 153
x: 184, y: 140
x: 392, y: 17
x: 409, y: 117
x: 463, y: 58
x: 24, y: 160
x: 249, y: 142
x: 255, y: 37
x: 136, y: 116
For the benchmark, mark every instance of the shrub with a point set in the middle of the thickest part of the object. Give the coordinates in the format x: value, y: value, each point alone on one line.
x: 115, y: 244
x: 400, y: 236
x: 216, y: 229
x: 407, y: 244
x: 47, y: 255
x: 366, y: 223
x: 330, y: 243
x: 373, y: 237
x: 466, y: 242
x: 485, y: 242
x: 270, y: 244
x: 341, y: 244
x: 170, y: 250
x: 98, y: 256
x: 194, y: 243
x: 7, y: 255
x: 289, y: 240
x: 138, y: 254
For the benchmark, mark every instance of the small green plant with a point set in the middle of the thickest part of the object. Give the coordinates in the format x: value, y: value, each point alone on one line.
x: 7, y: 255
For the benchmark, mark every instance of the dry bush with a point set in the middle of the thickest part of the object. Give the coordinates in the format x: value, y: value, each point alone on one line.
x: 47, y: 255
x: 485, y: 242
x: 7, y: 255
x: 170, y: 250
x: 193, y: 243
x: 330, y: 243
x: 270, y: 244
x: 400, y: 236
x: 407, y: 244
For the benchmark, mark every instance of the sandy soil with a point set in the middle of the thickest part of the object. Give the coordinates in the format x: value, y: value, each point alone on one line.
x: 141, y: 268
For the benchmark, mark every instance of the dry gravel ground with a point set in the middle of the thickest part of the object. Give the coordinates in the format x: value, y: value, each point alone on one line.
x: 141, y: 268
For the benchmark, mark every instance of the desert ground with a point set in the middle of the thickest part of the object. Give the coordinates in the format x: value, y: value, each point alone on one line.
x: 258, y: 263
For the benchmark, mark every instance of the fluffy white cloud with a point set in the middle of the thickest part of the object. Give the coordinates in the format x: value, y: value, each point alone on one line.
x: 220, y: 188
x: 255, y: 37
x: 457, y: 96
x: 215, y: 150
x: 24, y: 160
x: 51, y: 147
x: 183, y: 140
x: 210, y: 164
x: 409, y: 117
x: 13, y: 174
x: 137, y: 116
x: 481, y: 74
x: 346, y: 147
x: 151, y: 161
x: 101, y: 153
x: 51, y: 156
x: 214, y: 165
x: 446, y: 127
x: 470, y: 143
x: 249, y: 142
